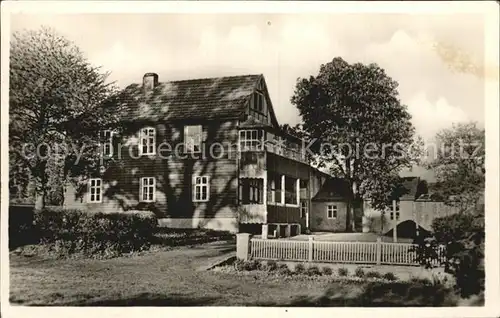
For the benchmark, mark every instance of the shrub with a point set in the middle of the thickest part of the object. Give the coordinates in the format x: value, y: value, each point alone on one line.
x: 284, y: 270
x: 299, y: 268
x: 313, y: 271
x: 359, y: 272
x: 390, y: 276
x: 343, y: 271
x: 95, y: 233
x: 239, y: 265
x: 327, y: 270
x: 271, y: 266
x: 251, y: 265
x: 21, y: 226
x: 373, y: 274
x: 463, y: 236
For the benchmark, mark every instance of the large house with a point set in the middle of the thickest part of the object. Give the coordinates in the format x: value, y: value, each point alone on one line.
x: 204, y: 153
x: 210, y: 153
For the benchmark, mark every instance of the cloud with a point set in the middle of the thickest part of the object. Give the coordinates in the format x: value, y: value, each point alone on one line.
x: 291, y: 46
x: 430, y: 117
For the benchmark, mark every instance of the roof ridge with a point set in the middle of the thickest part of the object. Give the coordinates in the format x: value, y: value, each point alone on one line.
x: 209, y: 78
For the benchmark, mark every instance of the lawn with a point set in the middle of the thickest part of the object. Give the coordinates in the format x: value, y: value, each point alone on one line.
x: 174, y: 277
x: 174, y: 273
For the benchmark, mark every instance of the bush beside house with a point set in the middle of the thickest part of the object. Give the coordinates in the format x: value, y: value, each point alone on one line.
x: 93, y: 234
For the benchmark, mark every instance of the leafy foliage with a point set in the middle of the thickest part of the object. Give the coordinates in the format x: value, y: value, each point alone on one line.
x: 426, y: 252
x: 343, y: 271
x: 56, y: 107
x: 459, y: 165
x: 359, y: 272
x: 390, y: 276
x: 327, y: 270
x: 299, y: 268
x: 373, y: 274
x: 95, y: 233
x: 313, y: 271
x: 346, y: 107
x: 463, y: 236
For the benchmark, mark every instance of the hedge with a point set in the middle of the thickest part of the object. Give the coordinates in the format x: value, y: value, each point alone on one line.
x: 21, y: 226
x: 95, y: 233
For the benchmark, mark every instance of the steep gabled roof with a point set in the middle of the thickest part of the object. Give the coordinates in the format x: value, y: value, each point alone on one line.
x: 196, y: 99
x: 409, y: 190
x: 334, y: 189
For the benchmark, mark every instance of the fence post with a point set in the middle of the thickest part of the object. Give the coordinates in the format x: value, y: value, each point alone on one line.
x: 310, y: 254
x: 242, y: 246
x: 379, y: 250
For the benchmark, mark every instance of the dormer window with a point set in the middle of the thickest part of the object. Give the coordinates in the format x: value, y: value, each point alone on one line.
x: 147, y: 141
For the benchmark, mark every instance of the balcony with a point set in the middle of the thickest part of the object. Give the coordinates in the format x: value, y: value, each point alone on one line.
x: 279, y: 149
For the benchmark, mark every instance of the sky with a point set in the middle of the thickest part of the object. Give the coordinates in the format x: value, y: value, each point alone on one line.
x: 438, y: 60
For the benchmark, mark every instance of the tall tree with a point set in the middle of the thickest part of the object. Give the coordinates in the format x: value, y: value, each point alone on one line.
x: 459, y: 164
x: 56, y: 107
x: 359, y: 127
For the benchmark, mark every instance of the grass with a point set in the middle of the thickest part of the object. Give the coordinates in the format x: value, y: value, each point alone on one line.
x: 171, y: 275
x: 163, y: 278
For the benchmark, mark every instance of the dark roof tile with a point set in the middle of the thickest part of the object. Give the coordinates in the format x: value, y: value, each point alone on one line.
x: 207, y: 98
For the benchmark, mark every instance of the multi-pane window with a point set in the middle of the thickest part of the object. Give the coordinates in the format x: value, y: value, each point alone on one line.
x: 303, y: 209
x: 107, y: 143
x: 397, y: 212
x: 192, y: 138
x: 274, y: 188
x: 331, y: 211
x: 201, y: 189
x: 250, y: 140
x: 95, y: 190
x: 291, y: 190
x: 147, y: 190
x: 251, y: 190
x: 148, y: 141
x: 258, y: 107
x: 258, y: 101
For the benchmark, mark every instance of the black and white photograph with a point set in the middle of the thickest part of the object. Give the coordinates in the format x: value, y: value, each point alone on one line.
x: 250, y: 154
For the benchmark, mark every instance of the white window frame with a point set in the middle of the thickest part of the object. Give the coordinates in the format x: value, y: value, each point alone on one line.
x: 333, y: 209
x: 108, y: 143
x: 150, y: 187
x: 147, y: 137
x: 396, y: 213
x: 303, y: 209
x: 94, y: 184
x: 189, y: 145
x: 247, y: 142
x: 201, y: 182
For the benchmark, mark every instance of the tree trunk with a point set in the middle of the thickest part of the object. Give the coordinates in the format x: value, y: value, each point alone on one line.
x: 41, y: 186
x: 41, y: 196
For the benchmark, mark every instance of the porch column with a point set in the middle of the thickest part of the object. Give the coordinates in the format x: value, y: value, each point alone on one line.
x: 282, y: 189
x: 297, y: 189
x: 265, y: 231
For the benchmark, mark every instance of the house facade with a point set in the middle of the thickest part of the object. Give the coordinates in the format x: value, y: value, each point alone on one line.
x: 202, y: 153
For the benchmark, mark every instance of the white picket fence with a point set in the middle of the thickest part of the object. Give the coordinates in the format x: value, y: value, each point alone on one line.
x: 336, y: 252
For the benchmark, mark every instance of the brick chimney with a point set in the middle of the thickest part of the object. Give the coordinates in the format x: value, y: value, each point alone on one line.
x: 149, y: 81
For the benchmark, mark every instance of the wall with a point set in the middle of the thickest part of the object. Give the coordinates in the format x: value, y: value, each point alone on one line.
x: 319, y: 220
x: 173, y: 175
x: 423, y: 212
